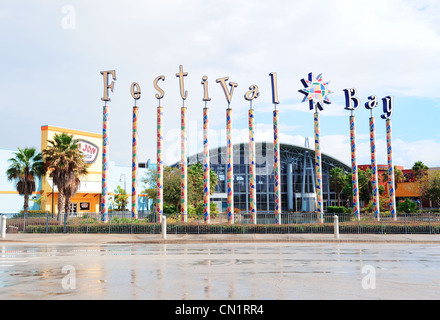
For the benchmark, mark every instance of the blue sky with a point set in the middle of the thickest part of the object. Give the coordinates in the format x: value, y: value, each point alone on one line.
x: 53, y: 52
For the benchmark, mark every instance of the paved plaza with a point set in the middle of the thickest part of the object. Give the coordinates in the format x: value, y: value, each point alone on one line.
x: 219, y: 267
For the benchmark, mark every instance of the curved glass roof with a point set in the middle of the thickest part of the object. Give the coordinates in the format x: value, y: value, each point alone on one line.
x: 264, y: 150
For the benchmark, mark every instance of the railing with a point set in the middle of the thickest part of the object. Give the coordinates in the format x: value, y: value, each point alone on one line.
x: 146, y: 223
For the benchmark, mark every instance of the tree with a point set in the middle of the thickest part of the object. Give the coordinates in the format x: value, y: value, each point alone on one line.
x: 430, y: 187
x: 150, y: 181
x: 172, y: 185
x: 419, y: 169
x: 381, y: 190
x: 365, y: 184
x: 66, y: 163
x: 398, y: 177
x: 337, y: 181
x: 26, y: 166
x: 195, y: 183
x: 347, y: 190
x: 121, y: 198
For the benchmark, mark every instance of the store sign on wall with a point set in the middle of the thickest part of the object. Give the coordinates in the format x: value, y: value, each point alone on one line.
x: 84, y: 206
x: 89, y: 149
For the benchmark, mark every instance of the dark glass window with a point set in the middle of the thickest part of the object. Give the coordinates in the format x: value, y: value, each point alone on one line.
x: 239, y: 183
x: 261, y: 183
x: 261, y: 202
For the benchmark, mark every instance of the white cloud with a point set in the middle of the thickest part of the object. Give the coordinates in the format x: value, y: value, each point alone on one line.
x: 427, y: 151
x: 380, y: 47
x: 405, y: 153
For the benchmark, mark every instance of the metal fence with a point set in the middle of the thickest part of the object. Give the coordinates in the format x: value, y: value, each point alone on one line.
x: 146, y: 223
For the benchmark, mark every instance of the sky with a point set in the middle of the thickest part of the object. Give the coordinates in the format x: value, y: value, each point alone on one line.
x: 52, y: 54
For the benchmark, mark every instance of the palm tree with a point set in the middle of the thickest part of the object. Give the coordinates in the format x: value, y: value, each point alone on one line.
x: 121, y: 198
x: 26, y: 167
x: 337, y: 181
x: 421, y: 177
x: 419, y: 169
x: 66, y: 162
x: 398, y: 177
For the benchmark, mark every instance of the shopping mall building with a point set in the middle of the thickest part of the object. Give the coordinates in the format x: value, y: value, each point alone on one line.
x: 297, y: 177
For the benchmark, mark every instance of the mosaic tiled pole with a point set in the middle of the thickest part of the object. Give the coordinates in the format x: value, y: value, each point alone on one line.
x: 159, y: 201
x: 374, y: 169
x: 230, y: 165
x: 183, y: 168
x: 276, y: 150
x: 250, y: 96
x: 105, y: 141
x: 134, y: 166
x: 206, y: 167
x: 252, y: 184
x: 184, y: 151
x: 277, y: 168
x: 354, y: 169
x: 316, y: 93
x: 230, y: 162
x: 318, y: 170
x: 391, y: 183
x: 104, y: 196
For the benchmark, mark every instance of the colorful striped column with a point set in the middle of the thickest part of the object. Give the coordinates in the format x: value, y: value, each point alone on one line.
x: 375, y: 183
x: 134, y: 166
x: 206, y: 167
x: 277, y: 168
x: 391, y: 183
x: 105, y: 127
x: 183, y: 167
x: 230, y: 167
x: 252, y: 172
x: 159, y: 200
x: 318, y: 170
x: 354, y: 169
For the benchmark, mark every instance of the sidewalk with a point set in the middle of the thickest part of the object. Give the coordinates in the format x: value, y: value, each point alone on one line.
x: 84, y: 239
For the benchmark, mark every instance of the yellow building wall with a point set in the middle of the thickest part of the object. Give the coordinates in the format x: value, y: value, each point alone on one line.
x: 84, y: 199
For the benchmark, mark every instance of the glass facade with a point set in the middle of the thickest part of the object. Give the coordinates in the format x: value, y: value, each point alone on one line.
x: 297, y: 177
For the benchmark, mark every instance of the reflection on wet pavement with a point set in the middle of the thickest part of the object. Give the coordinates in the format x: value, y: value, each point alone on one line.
x: 219, y: 271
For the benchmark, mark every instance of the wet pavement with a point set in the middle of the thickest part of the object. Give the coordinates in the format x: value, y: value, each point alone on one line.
x: 236, y: 271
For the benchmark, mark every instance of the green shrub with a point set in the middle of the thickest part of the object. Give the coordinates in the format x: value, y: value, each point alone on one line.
x: 406, y: 206
x: 32, y: 213
x: 169, y: 208
x: 336, y: 209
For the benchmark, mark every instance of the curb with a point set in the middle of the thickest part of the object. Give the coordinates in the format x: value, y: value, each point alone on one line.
x: 123, y: 239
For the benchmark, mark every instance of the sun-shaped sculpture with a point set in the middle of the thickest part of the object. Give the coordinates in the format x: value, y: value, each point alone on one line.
x: 315, y: 91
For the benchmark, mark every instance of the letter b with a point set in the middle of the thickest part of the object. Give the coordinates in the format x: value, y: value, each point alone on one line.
x: 351, y: 101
